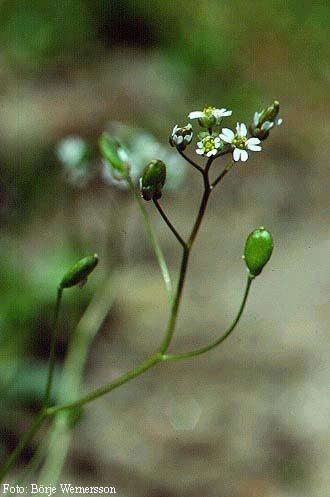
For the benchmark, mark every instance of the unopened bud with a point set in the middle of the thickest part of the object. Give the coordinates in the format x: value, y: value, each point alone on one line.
x: 153, y: 180
x: 258, y: 249
x: 78, y: 273
x: 181, y: 137
x: 265, y: 120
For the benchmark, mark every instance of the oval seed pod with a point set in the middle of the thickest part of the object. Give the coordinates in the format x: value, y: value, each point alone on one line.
x: 258, y: 249
x: 79, y: 272
x: 153, y: 180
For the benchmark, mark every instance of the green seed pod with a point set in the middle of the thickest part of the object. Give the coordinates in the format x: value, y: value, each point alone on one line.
x: 258, y: 249
x: 114, y: 153
x: 153, y: 180
x: 79, y: 272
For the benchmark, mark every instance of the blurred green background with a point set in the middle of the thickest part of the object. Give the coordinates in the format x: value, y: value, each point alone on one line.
x: 251, y: 419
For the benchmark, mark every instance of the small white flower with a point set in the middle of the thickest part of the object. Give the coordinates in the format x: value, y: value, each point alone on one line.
x: 208, y: 146
x: 181, y: 137
x: 240, y: 142
x: 210, y: 116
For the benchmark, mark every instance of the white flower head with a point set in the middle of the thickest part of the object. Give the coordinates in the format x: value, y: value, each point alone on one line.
x: 208, y: 146
x: 210, y: 116
x: 181, y: 137
x: 240, y: 142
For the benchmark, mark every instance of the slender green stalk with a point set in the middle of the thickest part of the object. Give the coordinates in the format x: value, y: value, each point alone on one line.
x: 207, y: 348
x: 152, y: 361
x: 185, y: 258
x: 24, y: 442
x: 169, y: 224
x: 52, y: 356
x: 175, y: 303
x: 88, y: 326
x: 154, y: 240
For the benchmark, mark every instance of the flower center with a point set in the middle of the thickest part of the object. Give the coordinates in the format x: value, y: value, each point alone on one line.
x: 208, y: 111
x: 240, y: 142
x: 208, y: 144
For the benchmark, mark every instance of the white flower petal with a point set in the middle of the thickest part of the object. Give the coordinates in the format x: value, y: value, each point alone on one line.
x: 199, y: 151
x: 175, y: 129
x: 211, y: 152
x: 227, y: 135
x: 216, y: 113
x: 225, y: 112
x: 256, y: 118
x: 267, y: 125
x: 244, y: 155
x: 200, y: 144
x: 178, y: 139
x: 278, y: 121
x: 236, y: 154
x: 253, y: 141
x: 242, y: 130
x: 196, y: 114
x: 255, y: 148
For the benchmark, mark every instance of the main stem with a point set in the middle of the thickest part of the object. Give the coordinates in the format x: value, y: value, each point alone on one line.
x: 185, y: 258
x: 153, y: 360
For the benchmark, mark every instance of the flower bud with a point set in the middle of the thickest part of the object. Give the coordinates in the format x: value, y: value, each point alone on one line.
x: 258, y: 249
x: 270, y: 113
x: 78, y: 273
x: 114, y: 153
x: 265, y: 120
x: 181, y: 137
x: 153, y: 180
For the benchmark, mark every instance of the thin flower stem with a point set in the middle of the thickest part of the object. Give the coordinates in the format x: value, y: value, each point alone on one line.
x: 148, y: 364
x: 169, y: 224
x: 154, y: 240
x: 176, y: 302
x: 202, y: 208
x: 193, y: 163
x: 52, y: 356
x: 61, y: 433
x: 184, y: 262
x: 207, y: 348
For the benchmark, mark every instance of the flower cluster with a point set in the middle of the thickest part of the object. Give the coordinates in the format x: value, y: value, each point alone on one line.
x: 238, y: 142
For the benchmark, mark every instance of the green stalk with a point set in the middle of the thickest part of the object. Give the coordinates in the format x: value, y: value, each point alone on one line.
x: 154, y: 240
x: 52, y: 355
x: 207, y: 348
x: 99, y: 392
x: 88, y: 326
